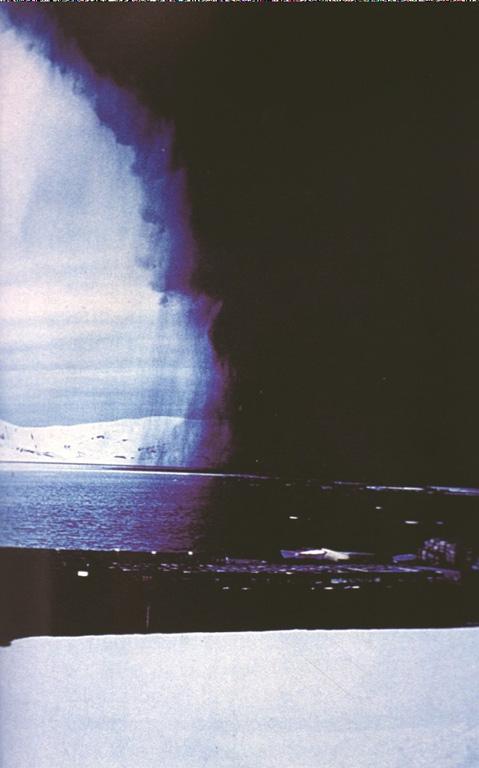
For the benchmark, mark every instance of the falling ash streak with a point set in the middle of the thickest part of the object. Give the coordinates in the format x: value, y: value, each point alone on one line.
x: 196, y: 386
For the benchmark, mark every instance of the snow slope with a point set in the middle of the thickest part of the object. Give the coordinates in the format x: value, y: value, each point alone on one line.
x: 163, y: 441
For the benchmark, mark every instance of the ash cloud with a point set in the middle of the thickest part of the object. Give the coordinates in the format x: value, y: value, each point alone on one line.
x: 332, y: 172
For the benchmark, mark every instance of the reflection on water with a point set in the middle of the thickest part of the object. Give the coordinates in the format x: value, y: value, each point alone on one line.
x: 81, y: 508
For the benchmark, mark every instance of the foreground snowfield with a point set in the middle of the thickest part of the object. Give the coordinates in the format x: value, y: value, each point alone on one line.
x: 297, y: 699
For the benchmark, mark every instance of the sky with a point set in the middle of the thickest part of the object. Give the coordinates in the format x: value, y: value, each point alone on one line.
x: 86, y: 334
x: 321, y: 198
x: 74, y: 300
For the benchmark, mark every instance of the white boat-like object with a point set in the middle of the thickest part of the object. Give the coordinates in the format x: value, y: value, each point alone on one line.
x: 324, y: 555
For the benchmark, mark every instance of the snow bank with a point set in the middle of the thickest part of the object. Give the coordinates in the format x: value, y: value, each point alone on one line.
x: 305, y: 699
x: 164, y: 441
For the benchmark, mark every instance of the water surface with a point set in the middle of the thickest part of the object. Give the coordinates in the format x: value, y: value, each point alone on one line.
x: 77, y: 507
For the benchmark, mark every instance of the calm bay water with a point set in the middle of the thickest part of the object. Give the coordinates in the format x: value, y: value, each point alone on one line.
x: 85, y: 508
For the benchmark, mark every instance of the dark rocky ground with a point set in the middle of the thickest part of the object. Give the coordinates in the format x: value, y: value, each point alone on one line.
x: 66, y: 592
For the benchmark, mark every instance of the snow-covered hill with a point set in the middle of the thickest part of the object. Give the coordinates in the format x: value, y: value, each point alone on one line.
x: 162, y: 441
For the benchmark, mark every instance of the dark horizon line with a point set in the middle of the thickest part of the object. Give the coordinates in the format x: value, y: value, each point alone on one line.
x: 429, y: 488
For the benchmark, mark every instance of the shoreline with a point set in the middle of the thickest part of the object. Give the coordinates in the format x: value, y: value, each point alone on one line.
x: 80, y: 592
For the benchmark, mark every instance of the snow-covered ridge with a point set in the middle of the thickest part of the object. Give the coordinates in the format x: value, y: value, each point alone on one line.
x: 163, y: 441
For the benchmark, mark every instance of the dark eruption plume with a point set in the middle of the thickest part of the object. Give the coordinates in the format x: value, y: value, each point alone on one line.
x: 332, y: 170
